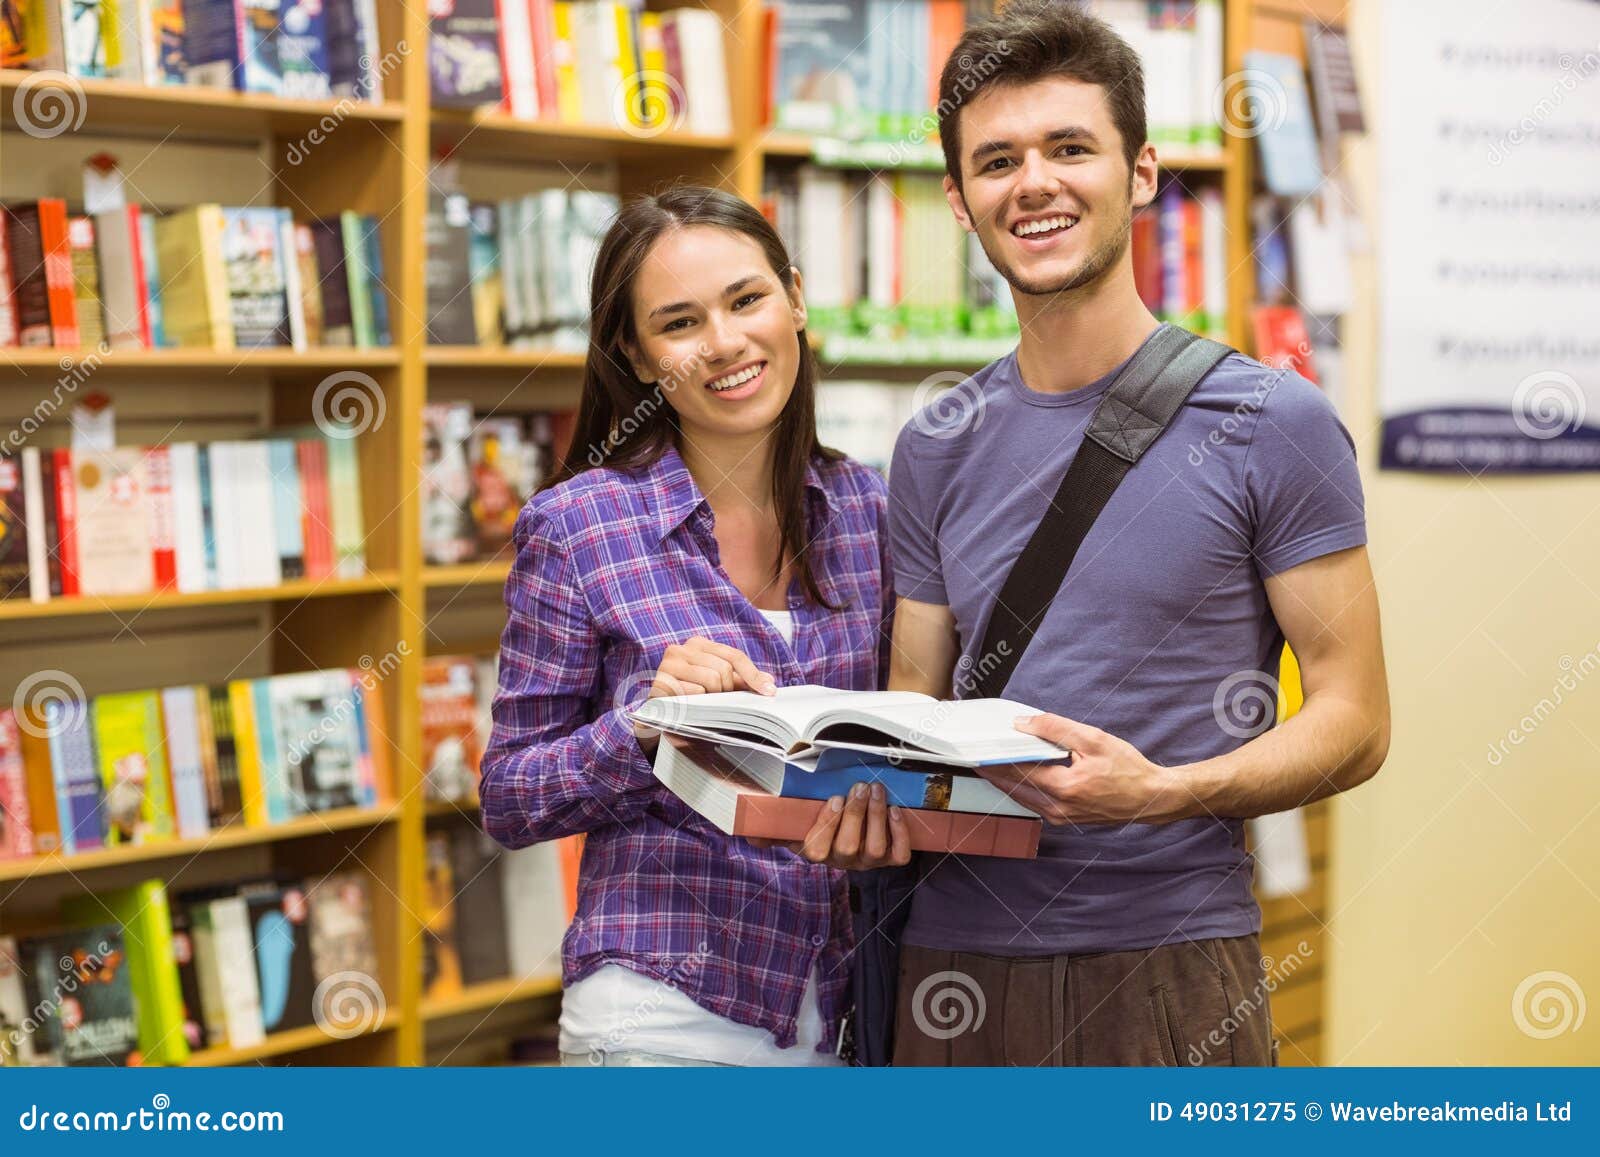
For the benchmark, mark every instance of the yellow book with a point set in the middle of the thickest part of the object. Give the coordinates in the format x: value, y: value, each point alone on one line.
x: 569, y: 100
x: 658, y: 96
x: 252, y: 789
x: 628, y: 64
x: 194, y: 290
x: 130, y: 747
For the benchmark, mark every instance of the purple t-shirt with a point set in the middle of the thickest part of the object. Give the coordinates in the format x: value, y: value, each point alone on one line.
x: 1161, y: 634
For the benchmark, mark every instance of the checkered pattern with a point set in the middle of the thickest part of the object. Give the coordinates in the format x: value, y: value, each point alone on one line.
x: 611, y: 568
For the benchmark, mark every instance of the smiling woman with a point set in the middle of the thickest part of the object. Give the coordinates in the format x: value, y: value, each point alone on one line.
x: 696, y: 538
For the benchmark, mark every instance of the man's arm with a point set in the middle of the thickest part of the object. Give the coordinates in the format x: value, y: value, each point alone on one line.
x: 925, y: 649
x: 1328, y: 609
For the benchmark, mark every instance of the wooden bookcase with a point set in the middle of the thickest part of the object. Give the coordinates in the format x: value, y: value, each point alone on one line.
x: 372, y: 159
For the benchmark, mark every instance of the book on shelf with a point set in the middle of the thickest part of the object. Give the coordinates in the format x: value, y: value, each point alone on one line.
x: 184, y: 516
x: 147, y: 767
x: 1286, y: 141
x: 82, y: 978
x: 452, y: 736
x: 718, y: 790
x: 441, y: 958
x: 477, y: 472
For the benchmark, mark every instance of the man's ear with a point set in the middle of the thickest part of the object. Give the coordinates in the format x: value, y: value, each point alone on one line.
x: 958, y: 204
x: 797, y: 298
x: 1145, y: 175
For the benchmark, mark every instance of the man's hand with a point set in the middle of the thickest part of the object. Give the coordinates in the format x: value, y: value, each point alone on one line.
x: 855, y: 834
x: 1106, y: 781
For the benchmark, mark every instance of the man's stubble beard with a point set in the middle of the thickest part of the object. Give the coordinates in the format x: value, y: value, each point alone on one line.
x: 1096, y: 265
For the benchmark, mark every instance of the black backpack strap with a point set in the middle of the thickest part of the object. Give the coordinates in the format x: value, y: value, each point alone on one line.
x: 1137, y: 406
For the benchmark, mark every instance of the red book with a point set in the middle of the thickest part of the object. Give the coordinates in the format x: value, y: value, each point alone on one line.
x: 8, y: 312
x: 16, y: 821
x: 161, y: 517
x: 317, y: 517
x: 1147, y: 258
x: 67, y: 521
x: 541, y: 18
x: 947, y: 20
x: 59, y: 281
x: 1194, y: 289
x: 1282, y: 341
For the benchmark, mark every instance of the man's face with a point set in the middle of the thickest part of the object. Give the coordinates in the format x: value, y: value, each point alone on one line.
x: 1046, y: 187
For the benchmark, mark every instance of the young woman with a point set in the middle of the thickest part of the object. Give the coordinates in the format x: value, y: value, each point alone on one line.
x: 697, y: 539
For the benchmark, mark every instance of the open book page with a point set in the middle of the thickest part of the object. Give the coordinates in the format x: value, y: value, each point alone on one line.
x: 978, y: 730
x: 792, y: 709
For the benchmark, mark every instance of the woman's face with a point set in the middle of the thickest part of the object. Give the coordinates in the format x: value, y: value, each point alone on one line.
x: 717, y: 331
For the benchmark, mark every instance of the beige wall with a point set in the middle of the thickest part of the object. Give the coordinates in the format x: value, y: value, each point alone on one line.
x: 1454, y: 880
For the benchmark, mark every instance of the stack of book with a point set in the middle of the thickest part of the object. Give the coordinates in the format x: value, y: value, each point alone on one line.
x: 490, y: 914
x: 477, y: 471
x: 218, y: 967
x: 586, y: 62
x: 204, y: 277
x: 182, y: 517
x: 147, y: 767
x: 1180, y: 259
x: 306, y: 49
x: 765, y: 767
x: 516, y: 272
x: 883, y: 256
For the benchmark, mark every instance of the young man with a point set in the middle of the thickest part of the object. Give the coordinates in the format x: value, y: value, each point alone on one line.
x: 1132, y: 939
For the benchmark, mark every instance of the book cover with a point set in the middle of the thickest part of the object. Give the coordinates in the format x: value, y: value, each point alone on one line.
x: 226, y: 963
x: 305, y: 252
x: 213, y: 42
x: 29, y: 289
x: 16, y: 814
x: 183, y: 957
x: 8, y: 312
x: 303, y: 51
x: 118, y: 235
x: 342, y: 944
x: 112, y: 526
x: 226, y: 797
x: 162, y: 516
x: 448, y: 533
x: 152, y: 279
x: 448, y: 271
x: 316, y: 739
x: 83, y: 974
x: 281, y: 936
x: 144, y: 916
x: 820, y: 69
x: 464, y: 53
x: 195, y: 306
x: 507, y: 467
x: 287, y: 508
x: 352, y: 235
x: 85, y: 282
x: 451, y: 744
x: 131, y: 750
x: 16, y: 1011
x: 167, y: 42
x: 441, y: 962
x: 337, y: 325
x: 15, y: 551
x: 480, y: 906
x: 253, y: 266
x: 1287, y: 142
x: 349, y: 523
x: 377, y: 285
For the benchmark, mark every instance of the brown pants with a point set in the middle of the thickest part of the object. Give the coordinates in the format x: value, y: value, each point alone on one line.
x: 1203, y: 1002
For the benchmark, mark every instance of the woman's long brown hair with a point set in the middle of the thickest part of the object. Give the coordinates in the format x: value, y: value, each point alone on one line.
x: 626, y: 423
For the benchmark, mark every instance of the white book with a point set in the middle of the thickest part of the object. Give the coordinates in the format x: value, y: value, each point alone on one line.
x: 553, y: 226
x: 259, y: 562
x: 1214, y: 259
x: 521, y: 97
x: 15, y: 1008
x: 705, y: 68
x: 33, y: 511
x: 863, y: 418
x: 139, y: 64
x: 821, y: 257
x: 188, y: 516
x: 288, y: 247
x: 370, y: 57
x: 804, y: 720
x: 122, y: 288
x: 594, y: 35
x: 1207, y: 77
x: 181, y: 724
x: 882, y: 230
x: 238, y: 988
x: 226, y: 528
x: 508, y: 220
x: 536, y: 909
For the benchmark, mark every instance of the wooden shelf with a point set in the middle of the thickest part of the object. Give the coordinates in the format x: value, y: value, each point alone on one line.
x: 445, y: 357
x: 294, y: 591
x: 491, y: 572
x: 451, y: 808
x: 280, y: 1043
x: 236, y: 836
x: 191, y: 109
x: 491, y: 134
x: 490, y: 995
x: 166, y: 360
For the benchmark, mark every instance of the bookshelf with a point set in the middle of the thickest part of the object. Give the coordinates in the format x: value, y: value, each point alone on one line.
x: 376, y: 160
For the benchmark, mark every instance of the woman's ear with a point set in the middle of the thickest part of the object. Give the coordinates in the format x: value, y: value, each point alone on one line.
x: 797, y: 298
x: 642, y: 369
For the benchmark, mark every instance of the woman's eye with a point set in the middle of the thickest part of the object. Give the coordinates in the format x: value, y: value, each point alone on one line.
x: 746, y: 300
x: 676, y: 324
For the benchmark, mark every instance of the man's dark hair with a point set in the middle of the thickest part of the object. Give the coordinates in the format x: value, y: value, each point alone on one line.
x: 1032, y: 40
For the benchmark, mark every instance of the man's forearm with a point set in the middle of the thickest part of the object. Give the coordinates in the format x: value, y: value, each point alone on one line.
x: 1330, y: 745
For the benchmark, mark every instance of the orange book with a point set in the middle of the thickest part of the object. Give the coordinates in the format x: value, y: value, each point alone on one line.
x: 377, y: 713
x: 33, y: 738
x: 947, y: 20
x: 59, y: 280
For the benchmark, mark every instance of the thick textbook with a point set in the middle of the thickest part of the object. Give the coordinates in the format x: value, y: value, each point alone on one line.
x: 806, y: 719
x: 699, y: 775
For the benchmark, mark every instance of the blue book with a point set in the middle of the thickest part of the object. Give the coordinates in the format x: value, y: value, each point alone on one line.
x: 208, y: 515
x: 381, y: 334
x: 1286, y: 135
x: 273, y: 772
x: 79, y: 790
x: 211, y: 40
x: 152, y: 278
x: 907, y: 784
x: 303, y: 51
x: 367, y: 788
x: 286, y: 508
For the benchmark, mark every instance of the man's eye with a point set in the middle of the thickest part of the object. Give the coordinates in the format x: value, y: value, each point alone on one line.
x: 995, y: 163
x: 1073, y: 150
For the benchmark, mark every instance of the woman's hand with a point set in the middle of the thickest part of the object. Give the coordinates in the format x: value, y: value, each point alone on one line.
x: 699, y: 666
x: 855, y: 834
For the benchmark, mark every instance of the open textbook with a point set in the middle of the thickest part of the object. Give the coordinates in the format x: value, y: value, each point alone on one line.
x: 804, y: 720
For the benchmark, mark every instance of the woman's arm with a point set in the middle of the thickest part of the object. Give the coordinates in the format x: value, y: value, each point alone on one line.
x: 554, y: 768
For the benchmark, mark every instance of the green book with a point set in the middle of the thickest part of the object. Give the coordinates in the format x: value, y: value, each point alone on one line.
x: 133, y: 768
x: 146, y: 920
x: 352, y: 231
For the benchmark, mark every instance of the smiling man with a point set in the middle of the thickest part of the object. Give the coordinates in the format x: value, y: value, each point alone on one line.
x: 1133, y: 938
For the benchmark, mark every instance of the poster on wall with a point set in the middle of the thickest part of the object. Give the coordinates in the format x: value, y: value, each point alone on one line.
x: 1490, y: 254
